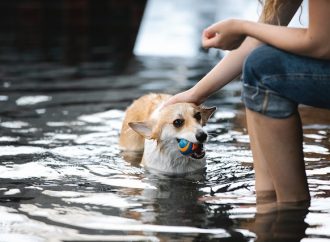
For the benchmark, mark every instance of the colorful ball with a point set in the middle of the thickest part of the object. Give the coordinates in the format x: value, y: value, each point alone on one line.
x: 185, y: 147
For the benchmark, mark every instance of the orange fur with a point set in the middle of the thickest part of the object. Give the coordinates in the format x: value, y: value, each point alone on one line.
x: 139, y: 111
x: 154, y: 130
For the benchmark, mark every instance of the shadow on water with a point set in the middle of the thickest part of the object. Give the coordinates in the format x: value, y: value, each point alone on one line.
x: 65, y: 83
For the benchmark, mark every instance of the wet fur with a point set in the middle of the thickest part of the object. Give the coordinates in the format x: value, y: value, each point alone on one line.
x: 147, y: 128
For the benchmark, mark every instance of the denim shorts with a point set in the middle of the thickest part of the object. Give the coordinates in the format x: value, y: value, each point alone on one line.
x: 275, y: 82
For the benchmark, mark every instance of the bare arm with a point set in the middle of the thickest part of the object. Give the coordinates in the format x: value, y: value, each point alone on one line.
x: 225, y: 71
x: 231, y: 65
x: 312, y: 41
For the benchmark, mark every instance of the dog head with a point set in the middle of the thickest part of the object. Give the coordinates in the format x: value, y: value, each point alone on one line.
x: 175, y: 122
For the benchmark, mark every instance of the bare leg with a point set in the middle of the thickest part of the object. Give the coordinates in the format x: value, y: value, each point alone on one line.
x: 265, y: 190
x: 277, y: 148
x: 264, y: 183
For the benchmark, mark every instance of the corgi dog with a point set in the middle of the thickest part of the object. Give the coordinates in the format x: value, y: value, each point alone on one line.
x: 155, y: 130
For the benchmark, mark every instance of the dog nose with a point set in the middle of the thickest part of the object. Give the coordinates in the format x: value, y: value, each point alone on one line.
x: 201, y: 136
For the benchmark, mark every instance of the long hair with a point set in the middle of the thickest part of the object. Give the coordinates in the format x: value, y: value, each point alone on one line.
x: 271, y: 9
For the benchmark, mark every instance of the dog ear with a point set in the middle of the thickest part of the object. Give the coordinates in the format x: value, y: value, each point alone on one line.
x: 142, y: 128
x: 207, y: 113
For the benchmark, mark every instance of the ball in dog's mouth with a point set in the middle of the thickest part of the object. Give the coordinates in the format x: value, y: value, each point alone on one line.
x: 194, y: 150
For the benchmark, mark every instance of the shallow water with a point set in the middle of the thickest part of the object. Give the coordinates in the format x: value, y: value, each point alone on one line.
x: 63, y: 176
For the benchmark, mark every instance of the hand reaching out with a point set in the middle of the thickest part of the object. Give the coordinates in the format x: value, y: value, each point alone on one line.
x: 182, y: 97
x: 226, y: 35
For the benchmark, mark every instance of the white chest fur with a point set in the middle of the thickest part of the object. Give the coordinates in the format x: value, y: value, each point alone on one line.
x: 166, y: 158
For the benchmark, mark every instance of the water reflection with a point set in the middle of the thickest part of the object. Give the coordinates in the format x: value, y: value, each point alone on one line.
x: 279, y: 226
x: 62, y: 175
x: 62, y: 166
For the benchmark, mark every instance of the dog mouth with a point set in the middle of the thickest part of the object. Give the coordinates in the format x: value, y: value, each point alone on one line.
x: 194, y: 150
x: 199, y: 152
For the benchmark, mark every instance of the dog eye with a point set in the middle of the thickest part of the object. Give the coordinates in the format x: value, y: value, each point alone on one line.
x: 178, y: 123
x: 198, y: 116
